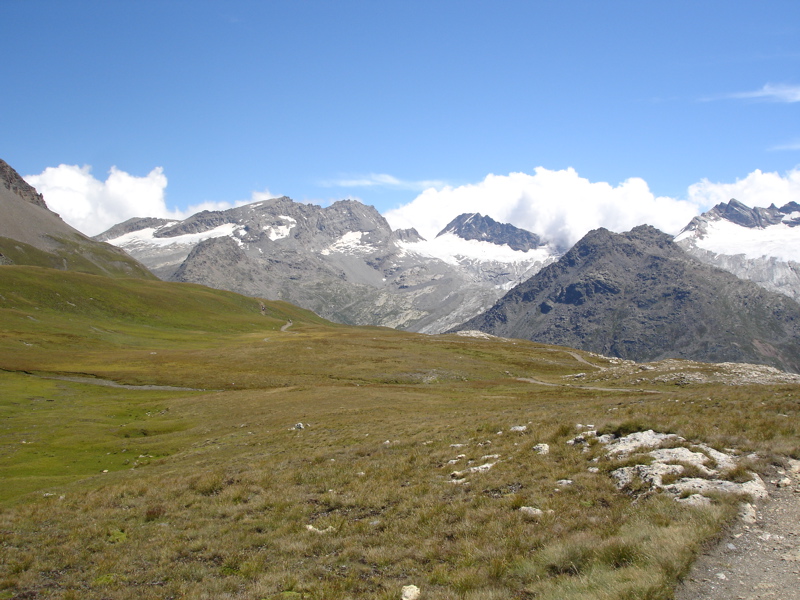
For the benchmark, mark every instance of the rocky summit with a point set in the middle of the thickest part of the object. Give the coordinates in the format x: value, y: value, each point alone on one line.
x: 759, y: 244
x: 343, y: 261
x: 639, y: 296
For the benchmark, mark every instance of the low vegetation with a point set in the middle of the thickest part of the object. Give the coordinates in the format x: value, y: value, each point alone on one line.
x: 318, y: 462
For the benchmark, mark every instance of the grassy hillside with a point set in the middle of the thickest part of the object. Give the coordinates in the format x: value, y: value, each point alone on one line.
x: 211, y: 492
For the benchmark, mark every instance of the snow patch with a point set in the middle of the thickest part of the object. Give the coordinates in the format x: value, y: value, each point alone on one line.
x: 279, y: 232
x: 146, y: 237
x: 724, y: 237
x: 453, y: 250
x: 350, y: 243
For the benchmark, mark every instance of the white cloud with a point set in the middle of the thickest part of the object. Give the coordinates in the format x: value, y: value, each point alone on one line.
x: 788, y: 146
x: 775, y: 93
x: 92, y: 206
x: 382, y: 180
x: 757, y: 189
x: 561, y: 206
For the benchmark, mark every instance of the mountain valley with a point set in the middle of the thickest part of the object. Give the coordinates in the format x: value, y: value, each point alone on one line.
x: 164, y: 439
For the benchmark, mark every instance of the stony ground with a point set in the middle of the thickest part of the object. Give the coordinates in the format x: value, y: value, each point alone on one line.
x: 760, y: 556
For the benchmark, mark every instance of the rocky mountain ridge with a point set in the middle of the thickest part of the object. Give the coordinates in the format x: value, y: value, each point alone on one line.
x: 639, y: 296
x: 342, y: 261
x: 475, y: 226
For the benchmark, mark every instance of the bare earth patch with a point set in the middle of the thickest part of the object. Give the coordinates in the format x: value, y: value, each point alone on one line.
x: 758, y: 559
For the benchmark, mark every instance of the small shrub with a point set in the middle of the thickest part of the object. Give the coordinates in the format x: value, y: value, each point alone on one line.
x: 738, y: 474
x: 208, y: 484
x: 154, y: 512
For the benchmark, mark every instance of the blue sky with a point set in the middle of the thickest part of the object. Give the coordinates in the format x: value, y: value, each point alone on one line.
x: 382, y: 100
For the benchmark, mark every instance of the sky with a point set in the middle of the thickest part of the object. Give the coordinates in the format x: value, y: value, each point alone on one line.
x: 557, y: 116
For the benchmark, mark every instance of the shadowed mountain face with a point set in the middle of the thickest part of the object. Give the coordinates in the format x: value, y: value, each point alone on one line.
x: 759, y: 244
x: 31, y: 234
x: 342, y: 261
x: 639, y: 296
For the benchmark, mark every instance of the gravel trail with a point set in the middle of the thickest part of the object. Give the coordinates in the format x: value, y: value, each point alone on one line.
x: 755, y: 560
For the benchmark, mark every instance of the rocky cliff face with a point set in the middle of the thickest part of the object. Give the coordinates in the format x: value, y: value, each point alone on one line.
x: 342, y: 261
x: 759, y: 244
x: 639, y: 296
x: 17, y: 186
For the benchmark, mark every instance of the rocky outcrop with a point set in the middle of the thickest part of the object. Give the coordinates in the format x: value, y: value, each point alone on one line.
x: 15, y: 184
x: 639, y: 296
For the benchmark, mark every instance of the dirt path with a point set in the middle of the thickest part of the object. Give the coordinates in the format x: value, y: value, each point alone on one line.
x: 586, y: 387
x: 756, y: 560
x: 287, y: 325
x: 114, y: 384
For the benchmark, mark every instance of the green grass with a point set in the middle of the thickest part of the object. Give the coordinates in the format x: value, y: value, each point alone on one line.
x: 209, y: 494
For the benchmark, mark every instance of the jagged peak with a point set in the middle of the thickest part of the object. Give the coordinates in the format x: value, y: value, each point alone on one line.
x: 13, y: 181
x: 474, y: 226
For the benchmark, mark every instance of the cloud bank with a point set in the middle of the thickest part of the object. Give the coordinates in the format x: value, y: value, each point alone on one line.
x: 757, y: 189
x: 560, y: 205
x: 91, y: 206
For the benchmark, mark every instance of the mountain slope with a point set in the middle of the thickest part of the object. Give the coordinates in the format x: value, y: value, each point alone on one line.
x: 639, y: 296
x: 759, y: 244
x: 31, y: 234
x: 342, y: 261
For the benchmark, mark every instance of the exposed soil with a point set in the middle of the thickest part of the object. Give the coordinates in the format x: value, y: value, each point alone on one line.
x: 754, y: 560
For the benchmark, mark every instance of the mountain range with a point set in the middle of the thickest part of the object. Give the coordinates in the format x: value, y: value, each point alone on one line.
x: 640, y: 296
x: 759, y: 244
x: 343, y: 261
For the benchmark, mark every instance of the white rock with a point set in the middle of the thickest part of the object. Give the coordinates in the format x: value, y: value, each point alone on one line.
x: 477, y: 469
x: 519, y: 428
x: 313, y: 529
x: 542, y: 448
x: 785, y: 482
x: 695, y: 500
x: 640, y: 439
x: 531, y: 511
x: 747, y: 513
x: 754, y: 487
x: 697, y: 459
x: 410, y: 592
x: 564, y: 482
x: 593, y: 470
x: 299, y: 426
x: 650, y: 474
x: 724, y: 461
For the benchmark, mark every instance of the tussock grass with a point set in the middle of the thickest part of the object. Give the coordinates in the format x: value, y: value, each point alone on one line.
x: 214, y: 494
